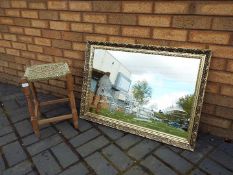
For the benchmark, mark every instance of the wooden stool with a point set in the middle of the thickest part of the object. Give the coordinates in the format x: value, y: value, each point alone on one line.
x: 47, y: 72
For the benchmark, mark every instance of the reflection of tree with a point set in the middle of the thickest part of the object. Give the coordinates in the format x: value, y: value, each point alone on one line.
x: 142, y: 92
x: 186, y: 103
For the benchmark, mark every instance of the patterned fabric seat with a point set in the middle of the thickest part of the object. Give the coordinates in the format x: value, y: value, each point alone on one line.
x: 46, y: 71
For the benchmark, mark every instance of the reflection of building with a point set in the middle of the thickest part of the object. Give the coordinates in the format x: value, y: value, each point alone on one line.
x: 119, y: 75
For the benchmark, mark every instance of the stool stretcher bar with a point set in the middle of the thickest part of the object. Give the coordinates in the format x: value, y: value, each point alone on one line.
x: 55, y: 119
x: 45, y: 103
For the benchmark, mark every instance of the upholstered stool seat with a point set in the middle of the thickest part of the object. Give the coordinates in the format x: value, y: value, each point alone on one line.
x: 47, y: 72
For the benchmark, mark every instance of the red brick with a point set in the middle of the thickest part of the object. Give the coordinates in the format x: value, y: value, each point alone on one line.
x: 42, y: 41
x: 35, y: 48
x: 79, y: 46
x: 222, y: 51
x: 187, y: 45
x: 72, y: 36
x: 170, y: 34
x: 124, y: 19
x: 171, y: 7
x: 12, y: 51
x: 19, y: 4
x: 52, y: 51
x: 117, y: 39
x: 6, y: 20
x: 223, y: 23
x: 192, y: 22
x: 5, y: 4
x: 36, y: 62
x: 212, y: 87
x: 137, y: 7
x: 57, y: 83
x: 40, y: 23
x: 223, y: 8
x: 99, y: 38
x: 230, y: 65
x: 51, y: 34
x: 227, y: 90
x: 15, y: 66
x: 25, y: 39
x: 225, y: 133
x: 218, y: 63
x: 15, y: 29
x: 21, y: 60
x: 5, y: 43
x: 20, y: 46
x: 10, y: 71
x: 212, y: 120
x: 45, y: 58
x: 58, y: 25
x: 10, y: 37
x: 52, y: 15
x: 208, y: 108
x: 159, y: 21
x: 22, y: 22
x: 79, y: 64
x: 221, y: 77
x: 32, y: 31
x: 209, y: 37
x: 62, y: 59
x: 27, y: 54
x: 29, y: 14
x: 106, y: 6
x: 80, y: 5
x: 107, y: 29
x: 224, y: 112
x: 73, y: 54
x: 2, y: 50
x: 82, y: 27
x: 62, y: 44
x: 94, y: 18
x: 3, y: 63
x: 57, y: 5
x: 143, y: 32
x: 12, y: 12
x: 3, y: 28
x: 70, y: 16
x: 37, y: 5
x: 219, y: 100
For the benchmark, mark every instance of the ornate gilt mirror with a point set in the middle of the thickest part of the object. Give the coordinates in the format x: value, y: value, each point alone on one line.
x: 154, y: 92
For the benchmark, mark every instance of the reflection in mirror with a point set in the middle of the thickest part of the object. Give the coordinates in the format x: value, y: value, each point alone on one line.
x: 156, y: 93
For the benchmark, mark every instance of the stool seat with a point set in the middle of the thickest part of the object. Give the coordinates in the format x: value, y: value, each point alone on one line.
x: 46, y: 71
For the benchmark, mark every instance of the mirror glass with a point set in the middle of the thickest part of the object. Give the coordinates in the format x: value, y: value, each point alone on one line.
x: 145, y: 91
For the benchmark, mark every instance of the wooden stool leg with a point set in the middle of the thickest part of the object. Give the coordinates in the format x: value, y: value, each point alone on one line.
x: 31, y: 107
x: 70, y: 88
x: 35, y: 100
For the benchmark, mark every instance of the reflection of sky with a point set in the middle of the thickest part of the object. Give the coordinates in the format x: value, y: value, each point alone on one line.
x: 169, y: 77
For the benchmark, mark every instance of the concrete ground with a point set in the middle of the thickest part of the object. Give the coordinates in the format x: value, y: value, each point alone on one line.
x: 95, y: 149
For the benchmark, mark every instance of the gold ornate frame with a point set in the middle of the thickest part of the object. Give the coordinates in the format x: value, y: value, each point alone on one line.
x: 203, y: 55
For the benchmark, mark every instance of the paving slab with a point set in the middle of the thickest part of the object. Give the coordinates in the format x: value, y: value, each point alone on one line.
x: 64, y: 155
x: 213, y: 168
x: 46, y: 164
x: 117, y: 157
x: 14, y: 153
x: 77, y: 169
x: 100, y: 165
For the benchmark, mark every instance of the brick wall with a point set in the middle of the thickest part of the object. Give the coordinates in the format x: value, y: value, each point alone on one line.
x: 34, y: 32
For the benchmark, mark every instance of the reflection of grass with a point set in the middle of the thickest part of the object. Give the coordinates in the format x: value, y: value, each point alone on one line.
x: 155, y: 125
